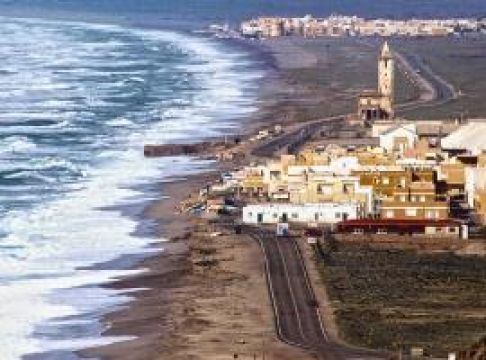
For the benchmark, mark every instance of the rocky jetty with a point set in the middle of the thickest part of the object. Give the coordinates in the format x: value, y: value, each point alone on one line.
x: 176, y: 149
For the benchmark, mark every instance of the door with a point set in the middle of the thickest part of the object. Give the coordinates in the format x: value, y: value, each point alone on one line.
x: 259, y: 218
x: 285, y: 217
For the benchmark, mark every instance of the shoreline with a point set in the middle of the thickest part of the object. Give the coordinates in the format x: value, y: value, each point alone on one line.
x: 169, y: 265
x: 153, y: 315
x: 150, y: 313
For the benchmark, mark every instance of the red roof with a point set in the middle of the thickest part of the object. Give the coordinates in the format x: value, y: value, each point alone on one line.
x: 403, y: 222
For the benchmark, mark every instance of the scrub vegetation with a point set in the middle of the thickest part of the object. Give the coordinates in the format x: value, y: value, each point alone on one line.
x: 397, y: 299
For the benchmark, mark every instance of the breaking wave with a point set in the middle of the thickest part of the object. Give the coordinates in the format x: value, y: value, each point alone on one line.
x: 78, y: 103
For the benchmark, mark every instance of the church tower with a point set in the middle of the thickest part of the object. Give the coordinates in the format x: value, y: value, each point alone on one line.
x: 386, y: 78
x: 377, y: 105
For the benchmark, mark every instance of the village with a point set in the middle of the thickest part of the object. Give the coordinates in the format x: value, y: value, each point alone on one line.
x: 356, y: 203
x: 419, y: 178
x: 338, y: 25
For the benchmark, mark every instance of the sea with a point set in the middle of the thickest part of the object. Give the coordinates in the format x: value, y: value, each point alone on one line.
x: 84, y: 84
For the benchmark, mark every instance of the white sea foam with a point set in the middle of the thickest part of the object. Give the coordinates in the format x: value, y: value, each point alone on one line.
x: 120, y: 122
x: 48, y: 245
x: 16, y: 144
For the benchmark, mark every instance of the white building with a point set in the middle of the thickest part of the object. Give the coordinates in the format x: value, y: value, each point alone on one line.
x: 470, y: 138
x: 250, y: 29
x: 323, y: 213
x: 399, y: 138
x: 475, y: 179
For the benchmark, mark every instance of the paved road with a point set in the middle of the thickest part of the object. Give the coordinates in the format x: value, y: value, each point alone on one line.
x: 443, y: 91
x: 293, y: 139
x: 297, y: 317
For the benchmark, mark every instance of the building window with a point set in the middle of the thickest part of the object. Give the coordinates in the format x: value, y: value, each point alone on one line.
x: 338, y: 215
x: 250, y: 214
x: 452, y: 229
x: 403, y: 198
x: 385, y: 181
x: 275, y: 215
x: 324, y: 189
x: 389, y: 214
x: 422, y: 198
x: 295, y: 216
x: 348, y: 188
x: 411, y: 212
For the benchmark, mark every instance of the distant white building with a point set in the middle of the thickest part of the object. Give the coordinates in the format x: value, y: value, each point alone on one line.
x: 470, y: 138
x: 321, y: 213
x: 475, y: 179
x: 250, y: 29
x: 399, y: 138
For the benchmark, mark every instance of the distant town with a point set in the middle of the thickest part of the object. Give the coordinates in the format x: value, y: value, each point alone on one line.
x: 336, y: 25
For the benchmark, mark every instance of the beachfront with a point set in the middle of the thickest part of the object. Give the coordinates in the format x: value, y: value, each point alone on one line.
x: 216, y: 274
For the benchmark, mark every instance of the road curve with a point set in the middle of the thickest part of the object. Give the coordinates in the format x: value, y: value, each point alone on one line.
x: 297, y: 317
x: 292, y: 139
x: 440, y: 90
x: 434, y: 90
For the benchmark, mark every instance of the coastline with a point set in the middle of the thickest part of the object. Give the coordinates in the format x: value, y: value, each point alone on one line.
x: 181, y: 307
x: 171, y: 280
x: 174, y: 311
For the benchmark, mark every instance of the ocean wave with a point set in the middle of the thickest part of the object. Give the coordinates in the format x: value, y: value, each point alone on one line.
x: 48, y: 243
x: 16, y: 144
x: 52, y: 163
x: 41, y: 165
x: 31, y: 175
x: 119, y: 122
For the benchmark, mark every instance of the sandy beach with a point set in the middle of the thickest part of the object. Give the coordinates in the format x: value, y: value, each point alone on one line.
x: 194, y: 311
x: 117, y: 114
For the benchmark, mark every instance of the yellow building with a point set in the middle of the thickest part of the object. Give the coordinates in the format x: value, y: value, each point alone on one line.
x: 312, y: 158
x: 319, y: 188
x: 452, y: 178
x: 385, y: 180
x: 480, y: 205
x: 417, y: 201
x: 254, y: 182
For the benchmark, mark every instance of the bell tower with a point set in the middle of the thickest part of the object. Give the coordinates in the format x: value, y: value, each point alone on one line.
x: 378, y: 104
x: 386, y: 78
